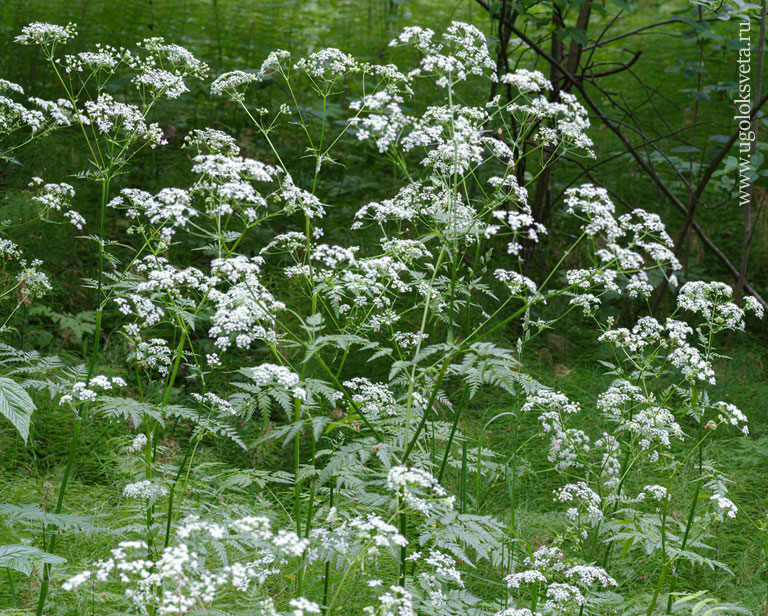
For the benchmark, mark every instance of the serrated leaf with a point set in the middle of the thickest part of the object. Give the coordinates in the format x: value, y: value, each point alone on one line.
x: 26, y: 558
x: 16, y: 406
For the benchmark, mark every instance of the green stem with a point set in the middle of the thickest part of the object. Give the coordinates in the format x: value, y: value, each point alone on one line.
x: 403, y: 549
x: 296, y: 483
x: 463, y: 476
x: 13, y: 591
x: 327, y: 578
x: 45, y: 583
x: 423, y: 421
x: 452, y: 435
x: 170, y: 496
x: 689, y: 522
x: 59, y: 504
x: 656, y: 591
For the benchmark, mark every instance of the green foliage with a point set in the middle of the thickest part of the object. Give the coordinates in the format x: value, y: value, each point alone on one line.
x: 27, y: 559
x: 16, y: 406
x: 214, y: 442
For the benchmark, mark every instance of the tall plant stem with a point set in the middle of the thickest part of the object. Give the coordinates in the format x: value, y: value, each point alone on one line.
x: 13, y: 590
x: 456, y: 416
x: 430, y: 402
x: 78, y: 423
x: 403, y: 549
x: 669, y: 562
x: 412, y: 377
x: 691, y: 515
x: 327, y: 577
x: 170, y: 496
x: 297, y: 484
x: 657, y: 590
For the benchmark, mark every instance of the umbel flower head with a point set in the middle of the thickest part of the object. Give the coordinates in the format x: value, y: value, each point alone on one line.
x: 47, y: 35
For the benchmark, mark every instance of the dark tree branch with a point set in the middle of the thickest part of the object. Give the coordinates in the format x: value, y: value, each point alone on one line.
x: 618, y: 37
x: 619, y: 69
x: 665, y: 189
x: 713, y: 165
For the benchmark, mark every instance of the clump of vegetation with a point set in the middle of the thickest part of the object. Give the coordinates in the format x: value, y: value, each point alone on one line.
x: 221, y: 320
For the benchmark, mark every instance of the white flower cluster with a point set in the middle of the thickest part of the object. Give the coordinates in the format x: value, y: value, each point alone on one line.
x: 112, y: 118
x: 435, y: 204
x: 152, y: 354
x: 373, y: 399
x: 649, y: 424
x: 409, y: 340
x: 47, y: 35
x: 527, y: 81
x: 137, y: 444
x: 460, y: 52
x: 14, y: 116
x: 588, y: 575
x: 233, y: 84
x: 175, y: 58
x: 712, y: 301
x: 246, y: 309
x: 725, y: 505
x: 653, y: 424
x: 418, y: 489
x: 586, y: 501
x: 567, y: 446
x: 55, y: 113
x: 384, y: 119
x: 271, y: 375
x: 212, y: 401
x: 620, y: 397
x: 160, y: 83
x: 633, y: 243
x: 404, y: 250
x: 161, y: 276
x: 171, y: 209
x: 104, y: 60
x: 525, y: 578
x: 32, y: 282
x: 148, y: 313
x: 397, y: 601
x: 333, y: 256
x: 730, y: 414
x: 83, y: 391
x: 518, y: 285
x: 10, y: 85
x: 161, y: 74
x: 144, y: 490
x: 299, y: 200
x: 656, y: 492
x: 56, y: 197
x: 179, y: 580
x: 563, y: 124
x: 363, y: 536
x: 692, y: 364
x: 646, y: 335
x: 9, y: 250
x: 211, y: 141
x: 328, y: 64
x: 551, y: 577
x: 362, y: 285
x: 451, y: 136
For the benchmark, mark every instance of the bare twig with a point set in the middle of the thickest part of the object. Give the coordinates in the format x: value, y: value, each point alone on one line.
x: 649, y: 170
x: 619, y: 69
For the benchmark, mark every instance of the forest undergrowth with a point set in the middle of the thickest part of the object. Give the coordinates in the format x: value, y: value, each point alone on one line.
x: 269, y: 405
